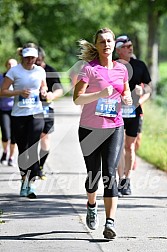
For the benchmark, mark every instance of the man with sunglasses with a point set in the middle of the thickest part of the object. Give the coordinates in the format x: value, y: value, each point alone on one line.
x: 140, y: 86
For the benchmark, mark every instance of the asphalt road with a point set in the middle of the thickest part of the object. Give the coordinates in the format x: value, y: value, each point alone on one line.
x: 55, y: 221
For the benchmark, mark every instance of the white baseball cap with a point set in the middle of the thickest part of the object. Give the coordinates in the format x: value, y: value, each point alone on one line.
x: 30, y: 52
x: 121, y: 40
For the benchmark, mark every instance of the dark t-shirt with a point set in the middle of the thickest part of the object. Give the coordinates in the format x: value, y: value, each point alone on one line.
x: 52, y: 79
x: 138, y: 74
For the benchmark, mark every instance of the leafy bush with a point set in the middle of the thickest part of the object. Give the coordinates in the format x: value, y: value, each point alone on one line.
x: 154, y: 138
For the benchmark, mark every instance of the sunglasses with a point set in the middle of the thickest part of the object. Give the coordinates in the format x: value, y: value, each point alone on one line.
x: 127, y: 46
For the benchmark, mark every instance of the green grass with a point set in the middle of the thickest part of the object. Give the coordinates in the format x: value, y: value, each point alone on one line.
x: 162, y: 70
x: 66, y: 85
x: 154, y: 139
x: 161, y: 85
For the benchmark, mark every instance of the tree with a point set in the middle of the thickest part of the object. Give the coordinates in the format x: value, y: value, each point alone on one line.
x: 58, y: 25
x: 9, y: 15
x: 139, y: 15
x: 156, y: 9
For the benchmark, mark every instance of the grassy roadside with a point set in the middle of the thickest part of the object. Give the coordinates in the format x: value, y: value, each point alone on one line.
x: 154, y: 138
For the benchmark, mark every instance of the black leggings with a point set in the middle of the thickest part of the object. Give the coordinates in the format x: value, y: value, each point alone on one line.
x: 27, y: 133
x: 101, y: 147
x: 6, y: 126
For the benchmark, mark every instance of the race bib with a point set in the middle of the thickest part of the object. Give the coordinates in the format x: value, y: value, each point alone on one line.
x: 46, y: 111
x: 28, y: 102
x: 107, y: 107
x: 128, y: 111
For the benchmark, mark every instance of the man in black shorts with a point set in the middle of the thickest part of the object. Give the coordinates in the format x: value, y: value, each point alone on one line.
x: 55, y: 91
x: 140, y: 86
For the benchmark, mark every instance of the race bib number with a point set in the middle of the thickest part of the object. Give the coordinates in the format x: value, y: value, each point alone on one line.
x: 46, y: 111
x: 106, y: 107
x: 28, y: 102
x: 128, y: 111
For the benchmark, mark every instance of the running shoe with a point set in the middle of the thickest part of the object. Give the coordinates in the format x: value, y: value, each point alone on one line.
x: 124, y: 187
x: 109, y: 230
x: 121, y: 185
x: 92, y: 220
x: 120, y: 193
x: 41, y: 174
x: 31, y: 192
x: 10, y: 162
x: 3, y: 158
x: 127, y: 188
x: 24, y: 189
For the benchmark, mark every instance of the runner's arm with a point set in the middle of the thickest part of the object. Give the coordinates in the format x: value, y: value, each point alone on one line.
x: 80, y: 98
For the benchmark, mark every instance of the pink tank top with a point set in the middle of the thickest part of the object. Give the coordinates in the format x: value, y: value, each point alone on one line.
x: 105, y: 113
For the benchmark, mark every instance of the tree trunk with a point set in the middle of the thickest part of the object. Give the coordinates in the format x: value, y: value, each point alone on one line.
x: 153, y: 41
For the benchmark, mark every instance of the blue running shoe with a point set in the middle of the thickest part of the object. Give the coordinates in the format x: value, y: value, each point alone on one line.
x: 24, y: 189
x: 31, y: 192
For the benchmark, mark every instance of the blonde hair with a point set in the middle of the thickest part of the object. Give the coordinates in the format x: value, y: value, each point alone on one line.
x: 88, y: 50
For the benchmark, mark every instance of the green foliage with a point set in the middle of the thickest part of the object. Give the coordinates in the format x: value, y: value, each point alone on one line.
x: 154, y: 137
x: 60, y: 24
x: 160, y: 99
x: 57, y: 25
x: 163, y: 51
x: 9, y: 13
x: 154, y: 140
x: 133, y: 19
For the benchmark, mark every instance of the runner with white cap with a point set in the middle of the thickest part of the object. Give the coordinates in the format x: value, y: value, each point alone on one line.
x: 140, y: 86
x: 28, y: 81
